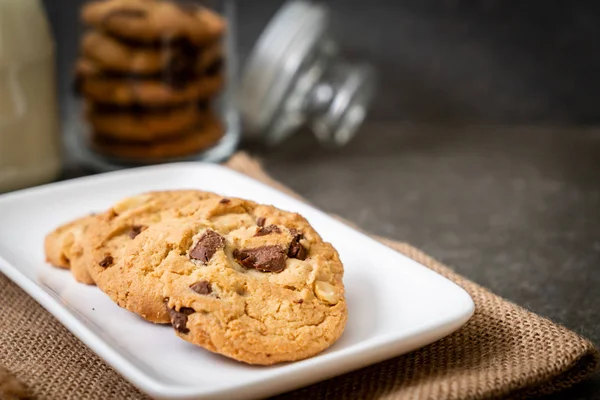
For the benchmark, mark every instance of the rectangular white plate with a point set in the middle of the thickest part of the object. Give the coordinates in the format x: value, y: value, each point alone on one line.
x: 395, y: 304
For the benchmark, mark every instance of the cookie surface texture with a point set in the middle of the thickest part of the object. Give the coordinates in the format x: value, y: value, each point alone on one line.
x: 248, y: 281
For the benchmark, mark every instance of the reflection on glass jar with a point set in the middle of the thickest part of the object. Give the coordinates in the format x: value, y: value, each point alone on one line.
x: 154, y: 83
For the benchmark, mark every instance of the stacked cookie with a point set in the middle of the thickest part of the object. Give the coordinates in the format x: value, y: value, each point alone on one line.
x: 248, y: 281
x: 148, y: 71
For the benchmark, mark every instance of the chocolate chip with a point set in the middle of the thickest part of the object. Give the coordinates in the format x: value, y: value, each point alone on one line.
x: 262, y: 231
x: 107, y: 261
x: 214, y: 68
x: 179, y: 318
x: 207, y: 246
x: 296, y: 250
x: 225, y: 201
x: 181, y: 65
x: 202, y: 105
x: 136, y: 109
x: 260, y: 221
x: 136, y: 230
x: 265, y: 258
x: 299, y: 301
x: 185, y: 77
x: 202, y: 287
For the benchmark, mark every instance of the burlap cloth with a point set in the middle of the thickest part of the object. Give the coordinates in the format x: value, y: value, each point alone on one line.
x: 503, y: 351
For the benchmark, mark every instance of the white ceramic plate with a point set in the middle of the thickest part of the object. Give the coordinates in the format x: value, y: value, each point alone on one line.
x: 395, y: 304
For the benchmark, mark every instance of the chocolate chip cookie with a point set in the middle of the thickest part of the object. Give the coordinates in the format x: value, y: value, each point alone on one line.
x: 105, y: 242
x: 248, y: 281
x: 197, y: 139
x: 149, y: 61
x: 140, y: 124
x: 63, y: 250
x: 100, y: 86
x: 151, y: 21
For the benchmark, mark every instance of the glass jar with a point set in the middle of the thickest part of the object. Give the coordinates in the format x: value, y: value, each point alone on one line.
x: 153, y: 82
x: 157, y: 80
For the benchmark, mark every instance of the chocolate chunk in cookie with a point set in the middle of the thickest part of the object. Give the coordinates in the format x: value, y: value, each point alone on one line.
x: 264, y: 258
x: 296, y: 250
x: 225, y: 201
x: 107, y: 261
x: 207, y: 246
x: 181, y: 66
x: 215, y: 67
x: 202, y: 287
x: 260, y: 221
x: 136, y: 230
x: 265, y: 230
x: 179, y: 318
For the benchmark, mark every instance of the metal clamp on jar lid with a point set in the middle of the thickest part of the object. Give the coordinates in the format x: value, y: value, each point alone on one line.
x: 295, y: 77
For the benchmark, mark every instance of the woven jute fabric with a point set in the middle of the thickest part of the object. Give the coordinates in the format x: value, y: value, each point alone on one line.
x: 503, y: 351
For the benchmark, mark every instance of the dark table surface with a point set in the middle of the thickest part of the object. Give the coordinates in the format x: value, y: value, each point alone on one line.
x: 515, y: 209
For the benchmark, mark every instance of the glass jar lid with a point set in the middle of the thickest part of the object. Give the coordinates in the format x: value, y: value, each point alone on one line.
x: 295, y: 76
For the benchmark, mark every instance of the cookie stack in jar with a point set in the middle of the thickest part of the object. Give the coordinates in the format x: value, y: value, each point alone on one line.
x: 148, y: 73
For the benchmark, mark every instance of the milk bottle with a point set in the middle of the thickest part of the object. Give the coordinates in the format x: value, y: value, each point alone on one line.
x: 29, y: 142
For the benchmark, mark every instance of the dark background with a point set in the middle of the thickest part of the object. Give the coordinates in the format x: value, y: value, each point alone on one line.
x: 460, y: 60
x: 482, y: 147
